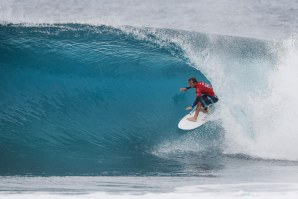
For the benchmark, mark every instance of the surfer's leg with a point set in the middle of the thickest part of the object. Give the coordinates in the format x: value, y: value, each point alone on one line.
x: 195, y: 117
x: 208, y: 101
x: 198, y: 109
x: 205, y: 110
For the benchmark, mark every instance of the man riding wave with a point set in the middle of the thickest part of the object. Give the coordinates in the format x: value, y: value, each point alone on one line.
x: 205, y: 97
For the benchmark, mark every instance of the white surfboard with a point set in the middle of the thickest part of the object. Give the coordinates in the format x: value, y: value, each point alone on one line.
x: 185, y: 124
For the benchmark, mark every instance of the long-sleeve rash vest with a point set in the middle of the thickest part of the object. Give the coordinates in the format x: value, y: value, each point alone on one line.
x: 202, y: 88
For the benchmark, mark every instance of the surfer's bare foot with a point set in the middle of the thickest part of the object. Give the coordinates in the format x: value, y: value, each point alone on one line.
x: 192, y: 119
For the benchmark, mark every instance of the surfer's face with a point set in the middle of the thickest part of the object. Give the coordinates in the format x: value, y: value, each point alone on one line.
x: 191, y: 83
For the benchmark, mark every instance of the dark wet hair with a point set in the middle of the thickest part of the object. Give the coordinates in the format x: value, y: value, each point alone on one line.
x: 193, y: 79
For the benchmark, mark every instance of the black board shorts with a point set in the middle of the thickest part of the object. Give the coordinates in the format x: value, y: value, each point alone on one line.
x: 207, y: 100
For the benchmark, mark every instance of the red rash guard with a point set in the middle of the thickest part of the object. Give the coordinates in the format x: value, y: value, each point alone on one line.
x: 204, y: 88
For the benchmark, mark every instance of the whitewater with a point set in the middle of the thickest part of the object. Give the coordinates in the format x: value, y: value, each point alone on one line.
x: 90, y: 101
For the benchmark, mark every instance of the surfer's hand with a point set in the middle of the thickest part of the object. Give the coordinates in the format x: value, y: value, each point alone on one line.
x: 183, y: 89
x: 188, y: 108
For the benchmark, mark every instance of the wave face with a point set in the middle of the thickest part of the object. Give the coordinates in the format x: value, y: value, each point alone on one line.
x: 84, y: 100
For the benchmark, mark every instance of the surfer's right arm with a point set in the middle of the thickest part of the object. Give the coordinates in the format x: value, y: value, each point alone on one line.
x: 184, y: 89
x: 194, y: 103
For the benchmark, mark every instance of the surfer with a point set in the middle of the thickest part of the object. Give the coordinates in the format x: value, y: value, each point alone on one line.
x: 205, y: 97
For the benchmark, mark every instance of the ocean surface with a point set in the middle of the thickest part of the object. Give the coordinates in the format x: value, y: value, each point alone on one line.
x: 90, y: 101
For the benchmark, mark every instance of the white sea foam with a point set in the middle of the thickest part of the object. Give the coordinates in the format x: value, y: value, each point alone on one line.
x: 257, y: 190
x: 272, y: 115
x: 258, y: 103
